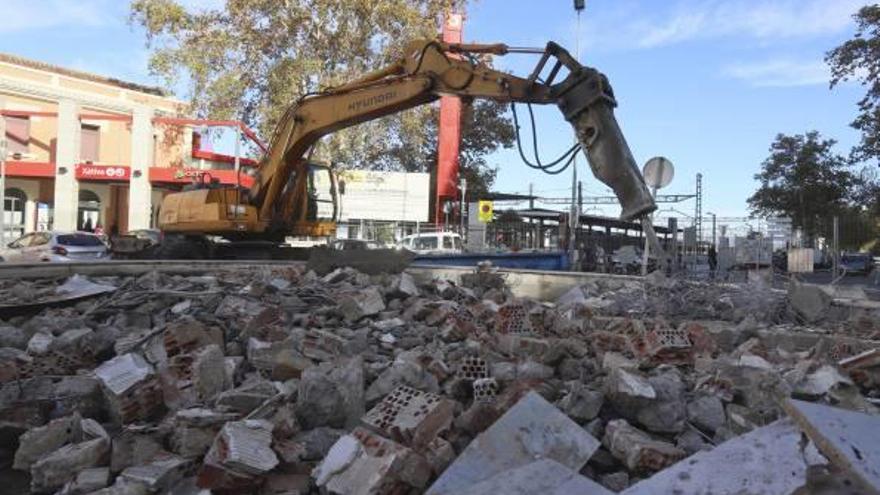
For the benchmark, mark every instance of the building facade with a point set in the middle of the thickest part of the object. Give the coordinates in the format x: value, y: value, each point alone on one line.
x: 85, y: 150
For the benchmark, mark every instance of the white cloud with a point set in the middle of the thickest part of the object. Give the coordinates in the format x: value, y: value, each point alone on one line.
x: 31, y: 15
x: 627, y: 25
x: 780, y: 73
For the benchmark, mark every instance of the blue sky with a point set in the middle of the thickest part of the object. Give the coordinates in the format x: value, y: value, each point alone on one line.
x: 706, y: 83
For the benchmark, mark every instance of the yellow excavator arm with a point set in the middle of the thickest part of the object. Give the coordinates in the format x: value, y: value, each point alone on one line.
x: 277, y: 203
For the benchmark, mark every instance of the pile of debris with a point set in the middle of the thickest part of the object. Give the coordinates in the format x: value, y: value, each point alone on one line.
x: 277, y: 380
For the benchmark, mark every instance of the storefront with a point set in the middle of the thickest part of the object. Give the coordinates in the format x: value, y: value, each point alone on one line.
x: 103, y: 197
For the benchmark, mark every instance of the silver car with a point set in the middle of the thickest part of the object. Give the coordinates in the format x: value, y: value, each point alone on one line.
x: 54, y: 246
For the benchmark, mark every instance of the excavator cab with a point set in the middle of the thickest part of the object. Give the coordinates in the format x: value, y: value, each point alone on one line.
x: 318, y: 217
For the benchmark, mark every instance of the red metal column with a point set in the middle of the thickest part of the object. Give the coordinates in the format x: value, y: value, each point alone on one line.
x: 449, y: 137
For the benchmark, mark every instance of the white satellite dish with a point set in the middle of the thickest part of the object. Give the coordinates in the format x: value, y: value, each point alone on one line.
x: 658, y: 172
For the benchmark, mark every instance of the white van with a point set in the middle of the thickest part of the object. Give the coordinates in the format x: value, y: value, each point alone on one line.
x: 433, y: 243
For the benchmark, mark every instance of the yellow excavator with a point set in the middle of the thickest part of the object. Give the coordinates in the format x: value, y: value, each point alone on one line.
x: 283, y: 200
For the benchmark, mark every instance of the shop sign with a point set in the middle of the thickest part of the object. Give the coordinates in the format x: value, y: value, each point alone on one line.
x: 103, y: 172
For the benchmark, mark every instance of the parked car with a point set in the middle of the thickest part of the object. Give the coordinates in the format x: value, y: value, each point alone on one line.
x: 54, y: 246
x: 433, y: 243
x: 857, y: 262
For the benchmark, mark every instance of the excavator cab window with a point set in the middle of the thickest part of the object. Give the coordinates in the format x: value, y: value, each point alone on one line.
x: 322, y: 192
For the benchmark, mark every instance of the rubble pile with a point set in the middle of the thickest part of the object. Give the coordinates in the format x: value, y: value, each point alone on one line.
x: 277, y: 380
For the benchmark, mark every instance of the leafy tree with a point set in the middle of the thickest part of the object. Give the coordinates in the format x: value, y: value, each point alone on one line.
x: 251, y: 59
x: 803, y: 178
x: 485, y: 129
x: 866, y: 193
x: 859, y: 59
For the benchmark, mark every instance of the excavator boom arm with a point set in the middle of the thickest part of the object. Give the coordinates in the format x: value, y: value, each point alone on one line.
x: 430, y: 69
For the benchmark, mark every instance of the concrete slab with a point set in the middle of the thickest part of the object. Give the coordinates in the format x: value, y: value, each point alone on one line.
x: 531, y: 430
x: 364, y: 463
x: 851, y: 440
x: 769, y: 460
x: 546, y: 476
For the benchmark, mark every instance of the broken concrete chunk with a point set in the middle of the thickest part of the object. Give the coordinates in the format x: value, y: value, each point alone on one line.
x: 810, y: 302
x: 820, y: 382
x: 247, y: 397
x: 752, y: 463
x: 159, y: 475
x: 313, y: 445
x: 72, y: 340
x: 389, y: 324
x: 37, y: 442
x: 628, y: 391
x: 530, y: 370
x: 40, y: 344
x: 280, y: 358
x: 133, y: 446
x: 403, y: 286
x: 581, y: 403
x: 851, y: 440
x: 637, y: 450
x: 544, y: 476
x: 692, y: 442
x: 663, y: 417
x: 88, y: 481
x: 340, y: 456
x: 754, y: 361
x: 209, y: 372
x: 439, y: 454
x: 615, y: 482
x: 322, y: 345
x: 235, y: 307
x: 532, y: 428
x: 192, y: 442
x: 363, y: 303
x: 54, y: 470
x: 185, y: 335
x: 706, y: 413
x: 13, y: 337
x: 200, y: 417
x: 667, y: 414
x: 23, y: 403
x: 363, y: 463
x: 331, y: 395
x: 614, y: 360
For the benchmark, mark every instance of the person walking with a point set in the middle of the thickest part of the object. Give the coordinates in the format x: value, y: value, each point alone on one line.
x: 713, y: 261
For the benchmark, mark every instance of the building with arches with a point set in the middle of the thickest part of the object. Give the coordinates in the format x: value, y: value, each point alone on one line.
x: 88, y: 148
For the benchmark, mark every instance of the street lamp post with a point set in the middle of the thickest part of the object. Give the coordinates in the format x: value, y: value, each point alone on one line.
x: 714, y: 217
x: 574, y: 215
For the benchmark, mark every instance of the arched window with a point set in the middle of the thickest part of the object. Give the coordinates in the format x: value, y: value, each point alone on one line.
x: 13, y: 212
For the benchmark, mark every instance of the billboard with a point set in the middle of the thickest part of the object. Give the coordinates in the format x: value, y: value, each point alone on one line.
x: 390, y: 196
